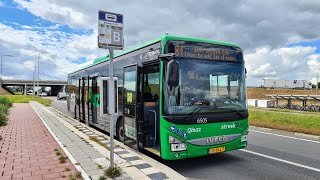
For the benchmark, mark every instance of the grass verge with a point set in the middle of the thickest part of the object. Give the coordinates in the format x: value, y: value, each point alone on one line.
x: 284, y: 110
x: 5, y: 104
x: 27, y: 99
x: 309, y: 124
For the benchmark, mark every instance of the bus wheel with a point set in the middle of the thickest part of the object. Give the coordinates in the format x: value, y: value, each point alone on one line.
x: 120, y: 131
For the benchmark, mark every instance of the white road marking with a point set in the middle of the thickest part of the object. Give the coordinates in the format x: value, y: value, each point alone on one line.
x: 285, y: 136
x: 282, y: 160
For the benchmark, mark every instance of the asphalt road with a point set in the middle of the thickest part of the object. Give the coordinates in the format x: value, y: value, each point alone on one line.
x: 268, y: 156
x: 60, y: 105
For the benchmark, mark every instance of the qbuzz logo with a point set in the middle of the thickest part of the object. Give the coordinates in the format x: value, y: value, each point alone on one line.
x: 193, y: 130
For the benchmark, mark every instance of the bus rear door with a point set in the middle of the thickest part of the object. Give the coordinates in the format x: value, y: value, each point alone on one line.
x: 130, y: 82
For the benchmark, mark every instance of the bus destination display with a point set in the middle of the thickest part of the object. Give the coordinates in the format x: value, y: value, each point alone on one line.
x: 209, y: 53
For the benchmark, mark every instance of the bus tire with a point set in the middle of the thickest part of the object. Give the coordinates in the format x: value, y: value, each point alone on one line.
x: 120, y: 130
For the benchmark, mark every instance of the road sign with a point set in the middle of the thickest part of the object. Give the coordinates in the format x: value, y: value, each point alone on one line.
x: 110, y: 30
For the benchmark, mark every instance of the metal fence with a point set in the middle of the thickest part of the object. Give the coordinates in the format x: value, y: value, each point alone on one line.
x: 303, y: 98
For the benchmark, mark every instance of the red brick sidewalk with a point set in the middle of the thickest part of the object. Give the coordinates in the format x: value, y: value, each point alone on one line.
x: 27, y: 150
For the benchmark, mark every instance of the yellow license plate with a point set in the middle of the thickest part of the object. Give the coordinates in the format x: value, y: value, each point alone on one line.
x: 217, y: 150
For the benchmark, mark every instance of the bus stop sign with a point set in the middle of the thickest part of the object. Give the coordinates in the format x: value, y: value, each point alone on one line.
x: 110, y: 30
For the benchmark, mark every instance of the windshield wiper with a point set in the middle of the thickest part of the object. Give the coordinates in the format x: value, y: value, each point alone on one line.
x: 196, y: 111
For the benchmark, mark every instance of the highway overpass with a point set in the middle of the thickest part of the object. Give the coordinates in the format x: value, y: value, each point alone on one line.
x: 56, y: 85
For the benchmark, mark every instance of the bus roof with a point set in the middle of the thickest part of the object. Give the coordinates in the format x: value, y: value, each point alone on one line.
x: 164, y: 39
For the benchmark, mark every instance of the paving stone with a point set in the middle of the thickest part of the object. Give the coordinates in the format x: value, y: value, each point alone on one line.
x: 122, y: 152
x: 131, y: 158
x: 93, y: 135
x: 80, y: 150
x: 100, y: 138
x: 158, y: 175
x: 135, y: 173
x: 94, y: 172
x: 143, y: 166
x: 25, y: 130
x: 125, y: 155
x: 150, y: 170
x: 136, y: 162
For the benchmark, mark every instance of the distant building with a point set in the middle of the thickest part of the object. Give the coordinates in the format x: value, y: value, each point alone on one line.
x: 290, y: 84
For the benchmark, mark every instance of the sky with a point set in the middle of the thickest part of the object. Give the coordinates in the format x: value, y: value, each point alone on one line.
x: 279, y: 38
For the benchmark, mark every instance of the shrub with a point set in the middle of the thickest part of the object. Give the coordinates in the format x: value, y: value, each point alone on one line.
x: 112, y: 172
x: 5, y: 104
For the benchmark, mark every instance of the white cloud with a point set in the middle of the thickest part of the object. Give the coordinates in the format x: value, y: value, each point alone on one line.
x: 64, y: 49
x: 283, y: 63
x: 55, y: 13
x: 314, y: 62
x: 243, y: 22
x: 9, y: 35
x: 29, y: 65
x: 263, y: 70
x: 26, y: 27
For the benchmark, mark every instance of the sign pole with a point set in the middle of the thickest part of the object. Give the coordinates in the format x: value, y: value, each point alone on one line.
x: 110, y: 36
x: 111, y: 110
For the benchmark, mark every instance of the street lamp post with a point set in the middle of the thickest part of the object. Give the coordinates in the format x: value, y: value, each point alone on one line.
x: 39, y: 71
x: 317, y: 83
x: 8, y: 55
x: 34, y: 80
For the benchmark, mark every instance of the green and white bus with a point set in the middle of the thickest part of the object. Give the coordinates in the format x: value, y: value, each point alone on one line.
x: 176, y: 97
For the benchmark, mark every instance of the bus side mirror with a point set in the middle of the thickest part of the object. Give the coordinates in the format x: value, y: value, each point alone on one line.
x: 173, y: 73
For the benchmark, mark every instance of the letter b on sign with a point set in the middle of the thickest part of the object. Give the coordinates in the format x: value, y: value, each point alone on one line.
x: 116, y: 36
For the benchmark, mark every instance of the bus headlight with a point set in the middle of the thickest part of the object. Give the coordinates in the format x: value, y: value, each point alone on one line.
x: 176, y: 144
x: 178, y: 147
x: 244, y: 138
x: 174, y: 140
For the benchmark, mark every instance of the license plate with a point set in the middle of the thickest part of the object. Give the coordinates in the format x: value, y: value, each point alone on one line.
x: 217, y: 150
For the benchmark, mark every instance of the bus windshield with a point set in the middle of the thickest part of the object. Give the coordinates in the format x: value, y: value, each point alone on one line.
x: 206, y: 87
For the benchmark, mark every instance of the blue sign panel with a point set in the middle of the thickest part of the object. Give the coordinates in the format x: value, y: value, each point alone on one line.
x: 110, y: 17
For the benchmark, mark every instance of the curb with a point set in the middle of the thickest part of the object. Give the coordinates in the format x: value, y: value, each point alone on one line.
x: 282, y: 132
x: 73, y: 161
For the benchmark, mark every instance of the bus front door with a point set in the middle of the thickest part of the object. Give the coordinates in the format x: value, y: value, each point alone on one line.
x: 130, y: 82
x: 149, y: 123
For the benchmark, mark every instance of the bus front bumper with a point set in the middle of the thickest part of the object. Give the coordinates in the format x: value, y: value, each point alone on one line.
x: 196, y: 150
